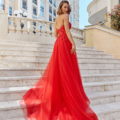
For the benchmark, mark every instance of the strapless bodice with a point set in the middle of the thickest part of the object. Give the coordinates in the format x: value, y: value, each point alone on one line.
x: 62, y: 33
x: 62, y: 29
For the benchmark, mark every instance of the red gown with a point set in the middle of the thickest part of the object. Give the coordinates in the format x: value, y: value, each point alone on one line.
x: 59, y: 93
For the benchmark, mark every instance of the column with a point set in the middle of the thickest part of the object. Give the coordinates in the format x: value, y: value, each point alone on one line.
x: 16, y: 5
x: 30, y: 8
x: 46, y: 10
x: 6, y: 7
x: 38, y: 8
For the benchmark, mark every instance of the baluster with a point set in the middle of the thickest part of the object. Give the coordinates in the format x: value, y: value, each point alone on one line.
x: 47, y: 29
x: 37, y: 27
x: 18, y: 26
x: 31, y: 27
x: 25, y: 26
x: 11, y: 27
x: 43, y: 30
x: 34, y: 26
x: 52, y: 29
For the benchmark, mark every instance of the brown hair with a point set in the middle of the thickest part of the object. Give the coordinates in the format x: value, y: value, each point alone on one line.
x: 59, y: 12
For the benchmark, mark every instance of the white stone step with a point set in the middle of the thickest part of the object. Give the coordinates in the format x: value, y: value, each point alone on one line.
x: 12, y: 93
x: 83, y: 45
x: 19, y: 118
x: 47, y: 57
x: 30, y: 52
x: 43, y: 63
x: 101, y: 86
x: 15, y: 93
x: 97, y: 98
x: 11, y: 110
x: 34, y: 44
x: 82, y: 57
x: 99, y: 64
x: 99, y: 71
x: 12, y: 72
x: 100, y: 77
x: 20, y: 81
x: 24, y: 43
x: 110, y: 111
x: 22, y: 47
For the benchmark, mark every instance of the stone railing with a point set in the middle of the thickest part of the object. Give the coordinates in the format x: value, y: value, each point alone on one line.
x: 34, y: 26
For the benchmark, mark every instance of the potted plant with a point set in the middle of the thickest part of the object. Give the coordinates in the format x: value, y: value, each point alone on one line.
x: 115, y: 17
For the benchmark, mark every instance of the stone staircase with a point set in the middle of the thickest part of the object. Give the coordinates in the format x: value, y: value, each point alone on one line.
x: 22, y: 64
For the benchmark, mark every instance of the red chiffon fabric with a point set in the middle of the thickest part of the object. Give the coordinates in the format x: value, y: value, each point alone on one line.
x: 59, y: 93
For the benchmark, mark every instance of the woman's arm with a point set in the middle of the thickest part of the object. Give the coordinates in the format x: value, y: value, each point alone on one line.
x: 55, y: 31
x: 66, y: 24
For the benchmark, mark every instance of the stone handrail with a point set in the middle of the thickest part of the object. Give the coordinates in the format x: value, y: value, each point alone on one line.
x: 24, y: 25
x: 111, y: 31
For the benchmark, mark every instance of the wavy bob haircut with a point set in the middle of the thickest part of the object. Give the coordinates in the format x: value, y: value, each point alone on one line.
x: 59, y: 12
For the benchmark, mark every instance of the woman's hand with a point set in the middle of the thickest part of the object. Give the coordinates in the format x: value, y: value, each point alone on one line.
x: 73, y: 50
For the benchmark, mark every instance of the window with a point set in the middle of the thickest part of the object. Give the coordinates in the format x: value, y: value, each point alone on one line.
x: 50, y: 1
x: 50, y: 9
x: 2, y: 4
x: 119, y: 1
x: 24, y: 4
x: 42, y: 9
x: 54, y: 3
x: 34, y: 10
x: 10, y: 11
x: 35, y: 2
x: 50, y: 18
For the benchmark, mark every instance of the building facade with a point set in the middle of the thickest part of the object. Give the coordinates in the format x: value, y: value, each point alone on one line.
x: 97, y: 9
x: 41, y: 9
x: 4, y: 5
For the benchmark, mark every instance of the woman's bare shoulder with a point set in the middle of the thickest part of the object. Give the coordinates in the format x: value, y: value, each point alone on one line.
x: 63, y: 16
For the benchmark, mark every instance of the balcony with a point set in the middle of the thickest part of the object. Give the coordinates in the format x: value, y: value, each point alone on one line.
x: 35, y: 2
x: 2, y: 6
x: 96, y: 10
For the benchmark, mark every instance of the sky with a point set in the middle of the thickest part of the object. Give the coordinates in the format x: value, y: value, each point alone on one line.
x: 83, y: 13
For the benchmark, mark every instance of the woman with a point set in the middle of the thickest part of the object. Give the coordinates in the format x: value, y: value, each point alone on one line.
x: 59, y: 93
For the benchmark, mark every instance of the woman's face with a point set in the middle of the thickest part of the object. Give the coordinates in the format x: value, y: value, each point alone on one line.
x: 65, y: 8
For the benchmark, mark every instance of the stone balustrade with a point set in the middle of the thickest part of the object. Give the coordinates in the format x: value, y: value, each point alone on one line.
x: 34, y: 26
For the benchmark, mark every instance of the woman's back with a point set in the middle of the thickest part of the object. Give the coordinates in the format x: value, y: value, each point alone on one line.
x: 59, y: 21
